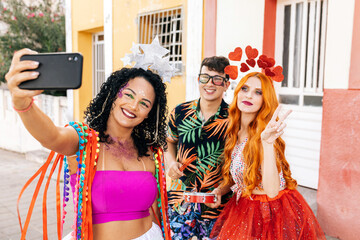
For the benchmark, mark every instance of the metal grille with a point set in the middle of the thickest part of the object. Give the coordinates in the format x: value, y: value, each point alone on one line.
x: 167, y: 24
x: 303, y: 47
x: 98, y: 62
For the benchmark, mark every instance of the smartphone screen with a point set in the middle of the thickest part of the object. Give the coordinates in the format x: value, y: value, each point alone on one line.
x: 57, y: 71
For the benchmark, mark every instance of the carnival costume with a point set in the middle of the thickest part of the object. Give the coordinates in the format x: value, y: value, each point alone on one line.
x: 200, y: 145
x: 87, y: 157
x: 91, y: 202
x: 286, y: 216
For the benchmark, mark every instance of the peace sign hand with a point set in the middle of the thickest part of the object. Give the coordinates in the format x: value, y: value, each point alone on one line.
x: 275, y: 128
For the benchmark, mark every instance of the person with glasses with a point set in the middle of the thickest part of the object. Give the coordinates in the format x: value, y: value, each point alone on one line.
x: 196, y: 137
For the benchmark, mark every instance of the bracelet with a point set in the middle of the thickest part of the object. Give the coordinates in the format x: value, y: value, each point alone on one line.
x: 26, y: 109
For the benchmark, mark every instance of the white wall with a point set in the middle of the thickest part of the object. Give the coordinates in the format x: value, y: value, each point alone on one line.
x: 303, y: 139
x: 13, y: 135
x: 193, y: 47
x: 338, y: 43
x: 239, y: 23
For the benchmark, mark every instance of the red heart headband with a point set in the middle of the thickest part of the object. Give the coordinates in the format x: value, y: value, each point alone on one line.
x: 264, y: 62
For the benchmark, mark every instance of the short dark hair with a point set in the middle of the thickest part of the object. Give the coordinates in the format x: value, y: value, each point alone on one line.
x: 97, y: 115
x: 216, y: 63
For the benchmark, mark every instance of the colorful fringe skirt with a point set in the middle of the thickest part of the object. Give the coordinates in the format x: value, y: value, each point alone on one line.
x: 287, y: 216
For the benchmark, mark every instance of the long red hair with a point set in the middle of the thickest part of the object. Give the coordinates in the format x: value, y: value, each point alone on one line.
x: 253, y: 152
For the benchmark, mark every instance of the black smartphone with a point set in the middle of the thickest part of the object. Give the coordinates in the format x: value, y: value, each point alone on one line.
x: 57, y: 71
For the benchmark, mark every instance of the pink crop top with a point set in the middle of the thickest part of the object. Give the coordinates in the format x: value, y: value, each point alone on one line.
x: 121, y: 195
x: 237, y: 169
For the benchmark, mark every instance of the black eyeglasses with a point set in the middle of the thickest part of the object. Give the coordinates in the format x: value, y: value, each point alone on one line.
x: 216, y: 80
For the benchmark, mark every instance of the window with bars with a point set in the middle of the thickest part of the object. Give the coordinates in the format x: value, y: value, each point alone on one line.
x: 302, y: 26
x: 98, y: 62
x: 167, y: 24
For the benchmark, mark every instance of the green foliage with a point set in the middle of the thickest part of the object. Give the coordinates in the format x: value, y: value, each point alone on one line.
x: 190, y: 128
x: 39, y: 26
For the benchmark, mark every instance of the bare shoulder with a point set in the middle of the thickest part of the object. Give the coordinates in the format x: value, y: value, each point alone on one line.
x: 150, y: 161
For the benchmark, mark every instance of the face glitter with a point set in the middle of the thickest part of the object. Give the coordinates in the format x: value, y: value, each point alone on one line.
x: 142, y: 93
x: 120, y: 94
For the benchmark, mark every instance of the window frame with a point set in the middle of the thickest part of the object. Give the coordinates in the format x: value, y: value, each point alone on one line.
x: 96, y: 61
x: 315, y: 88
x: 156, y: 25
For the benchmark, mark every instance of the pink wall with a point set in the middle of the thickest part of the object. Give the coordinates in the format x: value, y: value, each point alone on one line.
x: 210, y: 7
x: 338, y: 195
x: 269, y: 28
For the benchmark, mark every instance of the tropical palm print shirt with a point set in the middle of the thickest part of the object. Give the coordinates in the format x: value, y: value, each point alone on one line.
x: 199, y: 146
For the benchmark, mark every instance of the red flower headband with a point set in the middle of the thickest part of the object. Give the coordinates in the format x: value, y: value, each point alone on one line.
x: 264, y: 62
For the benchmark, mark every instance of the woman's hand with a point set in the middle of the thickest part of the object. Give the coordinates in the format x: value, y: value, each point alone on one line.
x: 174, y: 170
x: 21, y: 98
x: 275, y: 128
x: 63, y: 140
x: 218, y: 195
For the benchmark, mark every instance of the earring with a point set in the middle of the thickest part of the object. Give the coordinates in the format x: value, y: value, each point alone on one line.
x: 102, y: 109
x: 157, y: 126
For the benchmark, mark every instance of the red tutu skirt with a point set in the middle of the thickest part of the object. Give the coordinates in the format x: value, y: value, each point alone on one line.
x: 287, y: 216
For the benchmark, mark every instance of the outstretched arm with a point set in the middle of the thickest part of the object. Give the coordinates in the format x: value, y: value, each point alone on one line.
x: 60, y: 139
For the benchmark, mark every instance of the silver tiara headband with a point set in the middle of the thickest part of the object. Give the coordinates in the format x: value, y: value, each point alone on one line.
x: 151, y: 56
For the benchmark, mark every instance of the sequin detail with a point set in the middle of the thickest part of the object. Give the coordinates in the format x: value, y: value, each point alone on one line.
x: 287, y: 216
x: 237, y: 169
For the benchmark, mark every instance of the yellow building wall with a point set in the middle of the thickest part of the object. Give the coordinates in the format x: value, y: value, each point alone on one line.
x: 125, y: 14
x: 87, y: 18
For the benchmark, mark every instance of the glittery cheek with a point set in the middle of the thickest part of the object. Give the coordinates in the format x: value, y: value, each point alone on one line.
x: 120, y: 93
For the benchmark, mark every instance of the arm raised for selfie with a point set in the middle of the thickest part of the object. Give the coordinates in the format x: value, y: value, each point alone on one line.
x: 60, y: 139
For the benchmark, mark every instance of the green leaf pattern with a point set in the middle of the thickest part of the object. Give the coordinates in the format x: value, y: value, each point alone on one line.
x: 188, y: 129
x: 207, y: 147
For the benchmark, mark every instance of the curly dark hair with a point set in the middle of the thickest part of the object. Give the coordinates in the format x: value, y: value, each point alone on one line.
x: 97, y: 114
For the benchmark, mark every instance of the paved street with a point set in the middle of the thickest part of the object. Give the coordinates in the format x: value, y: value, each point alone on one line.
x: 15, y: 170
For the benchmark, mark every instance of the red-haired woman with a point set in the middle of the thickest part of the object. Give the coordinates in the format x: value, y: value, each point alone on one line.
x: 266, y: 204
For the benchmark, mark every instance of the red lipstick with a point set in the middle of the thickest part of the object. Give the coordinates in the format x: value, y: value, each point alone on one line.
x: 247, y: 103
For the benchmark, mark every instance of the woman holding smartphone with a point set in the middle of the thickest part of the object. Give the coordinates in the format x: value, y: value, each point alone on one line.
x: 118, y: 176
